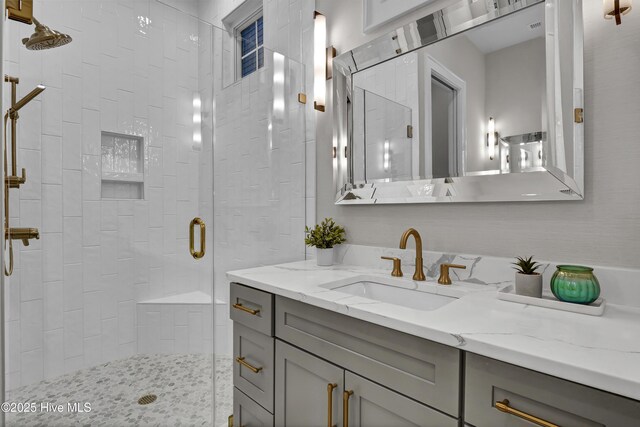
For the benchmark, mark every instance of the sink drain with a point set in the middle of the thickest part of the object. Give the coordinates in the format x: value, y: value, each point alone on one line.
x: 146, y: 399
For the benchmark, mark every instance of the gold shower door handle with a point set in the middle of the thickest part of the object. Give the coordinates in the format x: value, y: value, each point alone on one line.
x: 197, y: 254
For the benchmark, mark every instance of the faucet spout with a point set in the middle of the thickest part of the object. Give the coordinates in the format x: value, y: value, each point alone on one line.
x: 418, y: 275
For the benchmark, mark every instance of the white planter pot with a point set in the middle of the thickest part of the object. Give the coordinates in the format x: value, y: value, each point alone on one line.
x: 529, y: 285
x: 324, y: 256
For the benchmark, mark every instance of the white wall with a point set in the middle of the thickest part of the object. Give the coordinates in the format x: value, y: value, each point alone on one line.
x: 603, y: 229
x: 71, y: 301
x: 519, y: 70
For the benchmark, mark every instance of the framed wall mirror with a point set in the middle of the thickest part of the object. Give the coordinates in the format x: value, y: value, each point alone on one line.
x: 481, y: 101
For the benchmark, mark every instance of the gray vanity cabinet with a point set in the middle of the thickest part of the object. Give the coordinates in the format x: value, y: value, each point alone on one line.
x: 371, y: 405
x: 306, y: 387
x: 491, y: 387
x: 422, y: 370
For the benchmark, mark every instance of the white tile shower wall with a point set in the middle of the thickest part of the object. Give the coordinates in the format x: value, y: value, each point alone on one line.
x: 132, y: 68
x: 263, y: 196
x: 175, y: 328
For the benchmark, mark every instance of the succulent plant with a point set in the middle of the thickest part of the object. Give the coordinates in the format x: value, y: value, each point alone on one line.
x: 526, y: 265
x: 325, y: 235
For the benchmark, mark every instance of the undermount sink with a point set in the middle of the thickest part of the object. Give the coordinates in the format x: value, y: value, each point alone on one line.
x: 396, y: 294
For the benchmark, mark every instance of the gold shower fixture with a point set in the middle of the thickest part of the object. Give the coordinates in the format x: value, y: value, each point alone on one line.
x: 45, y: 38
x: 20, y: 10
x: 13, y: 180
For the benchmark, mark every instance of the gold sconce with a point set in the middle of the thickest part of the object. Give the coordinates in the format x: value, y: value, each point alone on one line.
x: 492, y: 138
x: 20, y: 10
x: 615, y: 9
x: 322, y: 61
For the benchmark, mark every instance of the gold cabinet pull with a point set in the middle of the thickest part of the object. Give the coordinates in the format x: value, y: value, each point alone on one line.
x: 345, y: 407
x: 330, y: 388
x: 247, y: 365
x: 197, y: 254
x: 503, y: 406
x: 241, y: 307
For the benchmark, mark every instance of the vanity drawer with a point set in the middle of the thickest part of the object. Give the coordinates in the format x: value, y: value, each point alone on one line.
x: 252, y: 308
x: 246, y: 412
x: 425, y: 371
x: 548, y: 398
x: 253, y: 364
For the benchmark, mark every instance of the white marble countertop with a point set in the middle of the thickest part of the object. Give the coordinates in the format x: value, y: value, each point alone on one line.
x: 601, y: 352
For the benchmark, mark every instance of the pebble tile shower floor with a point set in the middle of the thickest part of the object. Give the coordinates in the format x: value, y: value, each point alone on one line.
x: 181, y: 382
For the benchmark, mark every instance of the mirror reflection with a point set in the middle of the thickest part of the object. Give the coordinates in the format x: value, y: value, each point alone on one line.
x: 477, y: 102
x: 472, y: 104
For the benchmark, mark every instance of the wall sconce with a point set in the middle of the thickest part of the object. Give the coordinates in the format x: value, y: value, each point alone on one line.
x: 322, y: 61
x: 615, y: 9
x: 492, y: 138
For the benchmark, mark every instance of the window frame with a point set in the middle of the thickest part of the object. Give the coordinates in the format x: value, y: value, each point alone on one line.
x: 237, y: 34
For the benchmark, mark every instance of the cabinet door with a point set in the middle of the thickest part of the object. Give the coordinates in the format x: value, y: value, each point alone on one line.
x: 246, y: 412
x: 498, y: 394
x: 308, y: 389
x: 372, y: 405
x: 255, y: 376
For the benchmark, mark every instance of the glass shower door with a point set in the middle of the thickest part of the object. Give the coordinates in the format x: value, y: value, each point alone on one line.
x: 259, y: 183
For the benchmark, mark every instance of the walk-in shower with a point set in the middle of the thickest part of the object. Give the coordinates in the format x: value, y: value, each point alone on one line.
x: 144, y: 118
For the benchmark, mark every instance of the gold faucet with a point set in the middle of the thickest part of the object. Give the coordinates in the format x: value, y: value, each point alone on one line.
x: 418, y: 275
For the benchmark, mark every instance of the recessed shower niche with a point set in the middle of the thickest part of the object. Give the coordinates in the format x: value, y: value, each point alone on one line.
x: 122, y: 166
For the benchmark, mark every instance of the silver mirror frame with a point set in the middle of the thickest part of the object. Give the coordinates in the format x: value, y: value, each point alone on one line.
x: 476, y: 188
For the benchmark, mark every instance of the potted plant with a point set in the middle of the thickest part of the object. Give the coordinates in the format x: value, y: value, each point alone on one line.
x: 324, y: 237
x: 528, y: 281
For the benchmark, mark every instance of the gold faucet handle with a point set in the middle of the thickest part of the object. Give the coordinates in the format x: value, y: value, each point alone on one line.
x: 444, y: 278
x: 397, y: 265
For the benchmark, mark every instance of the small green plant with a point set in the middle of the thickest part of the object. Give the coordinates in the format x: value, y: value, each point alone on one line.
x: 526, y: 265
x: 325, y: 235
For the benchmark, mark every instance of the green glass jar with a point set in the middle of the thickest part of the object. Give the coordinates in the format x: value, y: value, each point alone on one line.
x: 575, y: 283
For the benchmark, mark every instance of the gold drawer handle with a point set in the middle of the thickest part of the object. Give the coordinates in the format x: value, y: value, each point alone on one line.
x: 330, y: 388
x: 197, y: 254
x: 247, y: 365
x: 241, y: 307
x: 345, y: 407
x: 503, y: 406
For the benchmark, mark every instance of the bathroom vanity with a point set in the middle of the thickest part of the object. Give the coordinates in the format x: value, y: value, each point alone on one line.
x: 322, y: 346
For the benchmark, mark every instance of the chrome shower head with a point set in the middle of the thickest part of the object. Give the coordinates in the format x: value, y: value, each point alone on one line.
x: 45, y: 38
